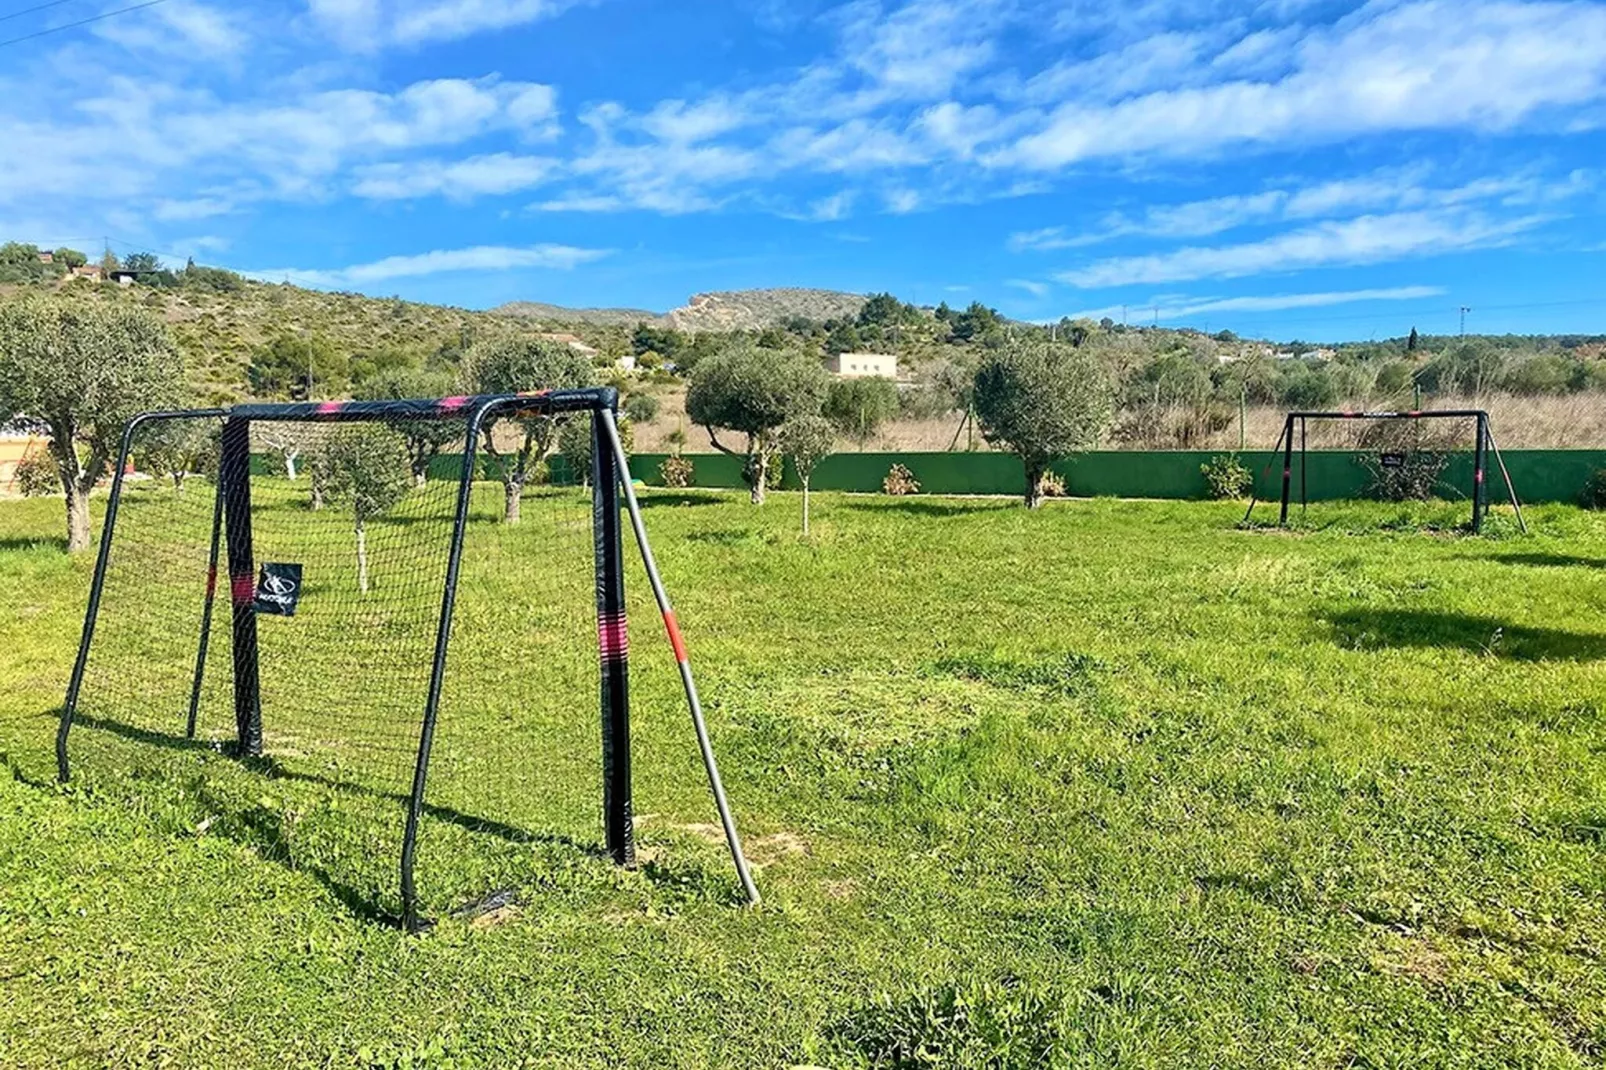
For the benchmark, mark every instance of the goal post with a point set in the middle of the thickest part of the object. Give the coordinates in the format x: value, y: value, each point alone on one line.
x: 344, y: 529
x: 1482, y: 448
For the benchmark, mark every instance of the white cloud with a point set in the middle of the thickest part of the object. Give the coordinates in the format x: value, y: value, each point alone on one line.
x: 1364, y: 240
x: 460, y: 180
x: 441, y: 261
x: 1430, y: 65
x: 1036, y: 289
x: 1174, y: 307
x: 366, y: 25
x: 182, y: 28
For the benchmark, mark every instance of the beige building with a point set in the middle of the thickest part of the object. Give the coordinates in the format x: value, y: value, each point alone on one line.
x: 863, y: 365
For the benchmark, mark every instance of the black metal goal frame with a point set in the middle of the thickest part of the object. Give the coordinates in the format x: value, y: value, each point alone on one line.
x: 610, y: 473
x: 1483, y: 447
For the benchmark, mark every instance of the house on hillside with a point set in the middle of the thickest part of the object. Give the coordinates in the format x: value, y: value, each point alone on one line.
x: 87, y: 271
x: 125, y: 278
x: 863, y: 365
x: 46, y: 257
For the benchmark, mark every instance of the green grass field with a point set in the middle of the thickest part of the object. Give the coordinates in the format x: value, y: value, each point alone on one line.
x: 1112, y: 784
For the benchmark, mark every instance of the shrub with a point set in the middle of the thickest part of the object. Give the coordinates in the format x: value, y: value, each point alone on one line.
x: 641, y: 408
x: 676, y: 472
x: 1051, y: 485
x: 1593, y: 497
x: 1226, y: 477
x: 899, y: 481
x: 36, y: 475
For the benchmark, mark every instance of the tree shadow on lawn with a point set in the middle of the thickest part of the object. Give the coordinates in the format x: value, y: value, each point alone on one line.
x: 1542, y: 560
x: 261, y: 830
x: 33, y: 542
x: 1369, y: 628
x: 929, y: 506
x: 666, y: 499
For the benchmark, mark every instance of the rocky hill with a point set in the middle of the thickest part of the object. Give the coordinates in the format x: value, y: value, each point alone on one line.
x: 750, y: 309
x: 725, y: 310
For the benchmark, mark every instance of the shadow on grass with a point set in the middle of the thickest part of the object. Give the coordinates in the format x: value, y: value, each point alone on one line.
x: 1370, y: 628
x: 928, y: 506
x: 666, y: 499
x: 262, y: 830
x: 1541, y: 560
x: 36, y: 542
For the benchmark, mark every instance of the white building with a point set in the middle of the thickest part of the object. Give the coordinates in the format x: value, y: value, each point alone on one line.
x: 863, y: 365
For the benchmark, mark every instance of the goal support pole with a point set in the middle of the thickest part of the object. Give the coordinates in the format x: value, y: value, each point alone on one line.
x: 1478, y: 480
x: 206, y: 612
x: 732, y: 839
x: 1511, y: 490
x: 613, y: 642
x: 1288, y: 469
x: 234, y: 478
x: 1254, y: 490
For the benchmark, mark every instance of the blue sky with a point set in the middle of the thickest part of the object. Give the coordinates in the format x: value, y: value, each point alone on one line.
x: 1292, y: 168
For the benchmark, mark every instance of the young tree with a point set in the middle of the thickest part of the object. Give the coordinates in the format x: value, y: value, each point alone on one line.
x: 144, y: 263
x: 1413, y: 341
x: 179, y: 449
x: 508, y: 366
x: 70, y: 258
x: 365, y: 467
x: 1042, y: 402
x: 85, y: 370
x: 858, y: 407
x: 425, y: 438
x: 752, y: 392
x: 808, y: 440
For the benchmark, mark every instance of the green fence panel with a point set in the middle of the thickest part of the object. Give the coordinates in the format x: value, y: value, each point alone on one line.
x: 1538, y: 475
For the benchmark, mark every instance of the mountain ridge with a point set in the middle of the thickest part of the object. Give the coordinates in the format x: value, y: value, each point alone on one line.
x: 715, y: 310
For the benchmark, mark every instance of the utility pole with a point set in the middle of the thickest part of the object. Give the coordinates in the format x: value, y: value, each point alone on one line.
x: 1464, y: 310
x: 1123, y: 315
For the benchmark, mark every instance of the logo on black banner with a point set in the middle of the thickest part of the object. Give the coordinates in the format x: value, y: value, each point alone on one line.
x: 278, y: 589
x: 1393, y: 460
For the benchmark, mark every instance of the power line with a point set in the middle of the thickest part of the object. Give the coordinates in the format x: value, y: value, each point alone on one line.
x: 80, y: 22
x: 31, y: 10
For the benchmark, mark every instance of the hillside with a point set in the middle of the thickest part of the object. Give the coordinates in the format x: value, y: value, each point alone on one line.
x: 724, y: 310
x: 596, y: 317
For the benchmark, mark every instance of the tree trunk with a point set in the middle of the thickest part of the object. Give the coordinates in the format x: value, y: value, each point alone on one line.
x: 510, y: 512
x: 805, y: 507
x: 1034, y: 486
x: 760, y: 470
x: 290, y: 465
x: 317, y: 493
x: 77, y: 516
x: 362, y: 558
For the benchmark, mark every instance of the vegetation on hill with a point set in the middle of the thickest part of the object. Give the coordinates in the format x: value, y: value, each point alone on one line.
x: 1173, y: 387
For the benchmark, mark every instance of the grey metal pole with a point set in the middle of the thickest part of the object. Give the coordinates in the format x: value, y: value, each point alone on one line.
x: 1511, y: 488
x: 662, y: 597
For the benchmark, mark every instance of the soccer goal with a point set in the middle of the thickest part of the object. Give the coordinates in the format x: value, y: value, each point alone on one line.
x: 1404, y: 456
x: 364, y: 547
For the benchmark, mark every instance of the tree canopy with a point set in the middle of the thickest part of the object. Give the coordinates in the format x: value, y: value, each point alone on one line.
x: 752, y: 392
x: 85, y: 369
x: 1042, y: 402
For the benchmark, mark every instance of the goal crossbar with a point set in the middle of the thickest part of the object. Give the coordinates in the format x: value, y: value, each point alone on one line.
x: 1484, y: 446
x: 232, y: 526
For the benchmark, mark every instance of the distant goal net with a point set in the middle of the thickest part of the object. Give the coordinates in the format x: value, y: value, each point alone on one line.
x: 1419, y: 455
x: 332, y: 594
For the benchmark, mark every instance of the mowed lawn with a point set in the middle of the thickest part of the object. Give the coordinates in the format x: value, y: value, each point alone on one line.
x: 1111, y: 784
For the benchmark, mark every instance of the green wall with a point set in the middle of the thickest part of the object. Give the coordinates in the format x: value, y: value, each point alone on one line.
x: 1538, y: 475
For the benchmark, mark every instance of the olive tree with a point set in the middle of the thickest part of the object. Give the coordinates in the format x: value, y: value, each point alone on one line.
x: 860, y: 406
x: 84, y: 370
x: 752, y: 391
x: 178, y: 449
x: 808, y: 440
x: 365, y: 467
x: 1041, y: 402
x: 517, y: 446
x: 425, y: 438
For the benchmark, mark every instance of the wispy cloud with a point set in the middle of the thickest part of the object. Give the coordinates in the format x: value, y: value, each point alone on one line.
x: 366, y: 25
x: 1364, y: 240
x: 497, y: 173
x: 1175, y: 308
x: 1036, y: 289
x: 441, y: 261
